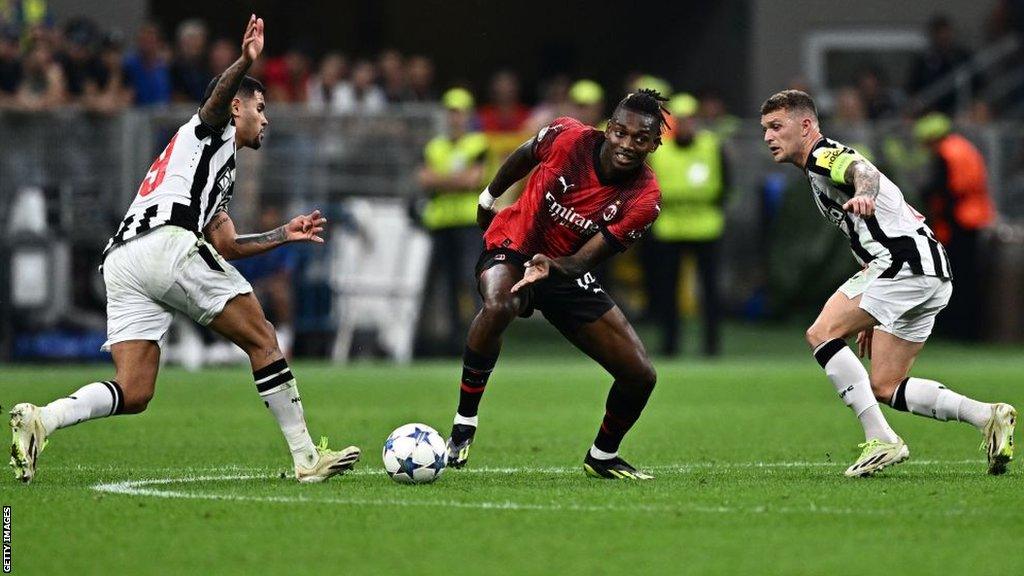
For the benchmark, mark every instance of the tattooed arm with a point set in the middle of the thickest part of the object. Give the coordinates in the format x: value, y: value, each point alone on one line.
x: 866, y: 180
x: 221, y: 233
x: 216, y: 111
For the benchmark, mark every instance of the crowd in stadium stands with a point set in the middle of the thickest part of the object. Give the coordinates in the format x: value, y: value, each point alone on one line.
x: 44, y: 66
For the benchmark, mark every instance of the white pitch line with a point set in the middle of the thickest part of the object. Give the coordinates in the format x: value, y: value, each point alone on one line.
x: 146, y: 488
x: 558, y: 470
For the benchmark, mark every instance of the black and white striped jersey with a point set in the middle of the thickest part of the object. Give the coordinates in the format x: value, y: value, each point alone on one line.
x: 191, y: 180
x: 896, y: 236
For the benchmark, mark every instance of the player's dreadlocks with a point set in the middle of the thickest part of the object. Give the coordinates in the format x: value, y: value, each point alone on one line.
x: 647, y: 101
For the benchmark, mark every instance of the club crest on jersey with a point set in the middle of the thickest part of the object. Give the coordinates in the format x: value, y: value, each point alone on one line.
x: 610, y: 212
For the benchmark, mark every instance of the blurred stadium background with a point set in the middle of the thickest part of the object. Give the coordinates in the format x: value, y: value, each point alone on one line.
x: 91, y: 90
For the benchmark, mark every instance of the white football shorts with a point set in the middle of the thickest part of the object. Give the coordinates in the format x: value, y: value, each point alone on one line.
x: 905, y: 306
x: 168, y: 269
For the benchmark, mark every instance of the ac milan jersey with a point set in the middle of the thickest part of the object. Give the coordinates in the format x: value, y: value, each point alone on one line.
x: 191, y: 180
x: 566, y: 202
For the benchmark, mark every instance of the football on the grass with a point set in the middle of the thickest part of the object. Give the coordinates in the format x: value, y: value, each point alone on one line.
x: 414, y: 454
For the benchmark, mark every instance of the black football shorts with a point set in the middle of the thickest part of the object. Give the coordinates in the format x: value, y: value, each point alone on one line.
x: 566, y: 304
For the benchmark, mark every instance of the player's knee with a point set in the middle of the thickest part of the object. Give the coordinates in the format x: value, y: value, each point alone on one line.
x: 642, y: 377
x: 137, y: 394
x: 500, y: 309
x: 884, y: 387
x: 817, y: 333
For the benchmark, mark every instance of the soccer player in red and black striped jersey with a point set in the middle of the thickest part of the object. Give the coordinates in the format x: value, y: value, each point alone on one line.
x: 590, y: 196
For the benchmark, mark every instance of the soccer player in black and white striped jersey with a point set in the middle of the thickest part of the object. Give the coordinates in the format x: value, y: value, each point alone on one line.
x: 167, y: 255
x: 890, y: 304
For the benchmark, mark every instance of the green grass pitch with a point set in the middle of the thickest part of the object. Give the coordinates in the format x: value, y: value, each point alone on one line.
x: 748, y: 453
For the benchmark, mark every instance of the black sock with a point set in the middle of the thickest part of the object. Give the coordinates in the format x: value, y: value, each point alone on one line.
x: 476, y: 369
x: 622, y: 410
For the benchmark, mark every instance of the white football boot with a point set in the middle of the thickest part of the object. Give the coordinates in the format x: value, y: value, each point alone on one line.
x: 876, y: 456
x: 330, y: 463
x: 998, y: 434
x: 28, y: 438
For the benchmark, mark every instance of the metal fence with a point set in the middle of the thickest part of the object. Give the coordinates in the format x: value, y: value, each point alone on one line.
x: 777, y: 251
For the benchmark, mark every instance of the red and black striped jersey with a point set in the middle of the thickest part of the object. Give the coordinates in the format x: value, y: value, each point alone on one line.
x: 566, y: 202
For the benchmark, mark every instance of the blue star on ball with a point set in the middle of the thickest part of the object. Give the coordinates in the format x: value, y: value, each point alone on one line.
x: 407, y: 466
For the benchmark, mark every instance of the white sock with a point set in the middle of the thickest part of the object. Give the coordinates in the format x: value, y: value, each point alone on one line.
x: 277, y: 387
x: 853, y: 384
x: 601, y: 454
x: 930, y: 398
x: 465, y: 420
x: 96, y: 400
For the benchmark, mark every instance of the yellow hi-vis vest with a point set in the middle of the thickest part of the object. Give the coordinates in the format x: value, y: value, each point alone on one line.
x: 452, y: 208
x: 691, y: 182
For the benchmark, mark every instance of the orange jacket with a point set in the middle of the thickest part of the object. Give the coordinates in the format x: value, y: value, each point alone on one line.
x: 967, y: 188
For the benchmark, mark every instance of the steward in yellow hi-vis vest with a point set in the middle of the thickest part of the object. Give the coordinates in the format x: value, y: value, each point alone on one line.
x: 452, y: 175
x: 455, y: 163
x: 691, y: 172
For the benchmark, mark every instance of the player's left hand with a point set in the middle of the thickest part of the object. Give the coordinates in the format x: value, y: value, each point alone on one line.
x: 306, y: 228
x: 860, y: 205
x: 252, y: 41
x: 864, y: 342
x: 537, y: 269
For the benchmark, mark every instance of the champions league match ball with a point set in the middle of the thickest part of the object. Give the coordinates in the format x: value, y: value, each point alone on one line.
x: 414, y: 454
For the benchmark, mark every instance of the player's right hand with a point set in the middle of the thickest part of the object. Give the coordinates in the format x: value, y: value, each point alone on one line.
x: 484, y: 216
x: 864, y: 342
x: 252, y: 41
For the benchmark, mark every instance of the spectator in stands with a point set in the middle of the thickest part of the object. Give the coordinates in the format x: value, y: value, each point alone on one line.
x: 147, y: 68
x: 959, y: 207
x: 880, y: 100
x: 189, y: 72
x: 324, y: 86
x: 392, y: 75
x: 31, y: 19
x: 222, y: 53
x: 944, y: 55
x: 78, y: 60
x: 360, y: 94
x: 43, y: 86
x: 554, y: 103
x: 10, y: 65
x: 287, y: 76
x: 419, y: 77
x: 453, y: 175
x: 107, y: 91
x: 505, y: 113
x: 587, y: 98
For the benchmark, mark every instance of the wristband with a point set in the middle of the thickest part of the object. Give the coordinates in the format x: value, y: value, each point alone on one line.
x: 486, y: 200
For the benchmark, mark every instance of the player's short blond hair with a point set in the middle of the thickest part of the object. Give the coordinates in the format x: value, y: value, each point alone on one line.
x: 790, y: 100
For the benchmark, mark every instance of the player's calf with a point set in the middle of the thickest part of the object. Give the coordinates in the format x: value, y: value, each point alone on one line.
x: 476, y: 370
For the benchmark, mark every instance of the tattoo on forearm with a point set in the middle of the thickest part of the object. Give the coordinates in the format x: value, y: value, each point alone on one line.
x: 217, y: 110
x: 218, y: 223
x: 866, y: 179
x: 275, y: 236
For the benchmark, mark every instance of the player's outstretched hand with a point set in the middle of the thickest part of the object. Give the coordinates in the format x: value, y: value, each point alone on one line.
x: 252, y: 41
x: 537, y: 269
x: 864, y: 342
x: 860, y: 205
x: 306, y: 228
